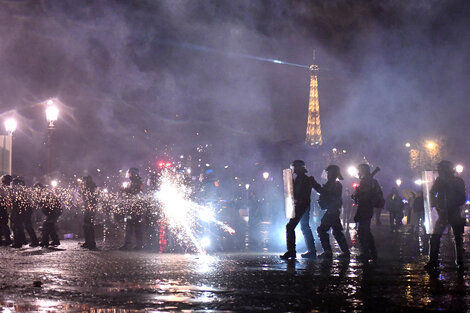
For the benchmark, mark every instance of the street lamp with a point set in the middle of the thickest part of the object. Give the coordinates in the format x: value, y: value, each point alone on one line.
x: 247, y: 186
x: 52, y: 114
x: 398, y: 182
x: 407, y: 144
x: 459, y: 168
x: 10, y: 127
x: 265, y: 175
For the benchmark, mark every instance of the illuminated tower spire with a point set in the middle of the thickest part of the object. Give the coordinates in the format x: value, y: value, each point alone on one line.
x: 313, y: 135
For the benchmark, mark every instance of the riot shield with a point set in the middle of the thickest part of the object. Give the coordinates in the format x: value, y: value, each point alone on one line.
x: 288, y: 192
x: 430, y: 212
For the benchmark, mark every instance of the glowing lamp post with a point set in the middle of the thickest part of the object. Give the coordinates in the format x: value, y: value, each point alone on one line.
x: 10, y: 127
x: 459, y: 168
x: 52, y: 114
x: 398, y: 182
x: 265, y: 175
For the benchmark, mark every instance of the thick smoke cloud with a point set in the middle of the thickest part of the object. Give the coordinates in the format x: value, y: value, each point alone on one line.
x: 132, y: 79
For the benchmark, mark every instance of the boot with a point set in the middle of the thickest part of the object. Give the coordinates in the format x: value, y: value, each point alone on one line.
x: 325, y: 243
x: 434, y: 244
x: 288, y: 255
x: 459, y: 251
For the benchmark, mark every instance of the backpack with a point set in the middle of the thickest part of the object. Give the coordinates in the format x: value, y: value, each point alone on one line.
x: 377, y: 196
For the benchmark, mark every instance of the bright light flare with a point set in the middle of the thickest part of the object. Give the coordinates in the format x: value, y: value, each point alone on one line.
x: 353, y: 171
x: 54, y: 183
x: 181, y: 213
x: 431, y: 145
x: 459, y: 168
x: 52, y: 113
x: 265, y: 175
x: 398, y: 182
x: 419, y: 182
x: 205, y: 242
x: 10, y: 125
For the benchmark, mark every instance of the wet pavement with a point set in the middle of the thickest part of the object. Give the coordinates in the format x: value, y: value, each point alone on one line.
x: 72, y: 279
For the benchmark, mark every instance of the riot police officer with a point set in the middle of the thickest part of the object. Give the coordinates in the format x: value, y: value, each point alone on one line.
x: 302, y: 192
x: 4, y: 205
x: 90, y: 201
x: 367, y: 196
x: 51, y: 207
x: 331, y: 201
x: 447, y: 194
x: 22, y: 210
x: 133, y: 210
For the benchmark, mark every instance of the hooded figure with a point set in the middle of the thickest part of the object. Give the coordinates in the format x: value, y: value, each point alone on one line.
x: 302, y: 191
x: 331, y: 201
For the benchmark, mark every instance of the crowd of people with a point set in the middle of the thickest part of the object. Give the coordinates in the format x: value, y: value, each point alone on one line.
x: 447, y: 195
x: 18, y: 202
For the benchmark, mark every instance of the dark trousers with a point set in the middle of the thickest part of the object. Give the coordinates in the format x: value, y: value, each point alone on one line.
x: 133, y: 226
x: 4, y: 229
x: 331, y: 220
x: 395, y: 220
x: 366, y: 239
x: 28, y: 225
x: 457, y: 223
x: 17, y: 225
x: 89, y: 228
x: 302, y: 215
x: 49, y: 230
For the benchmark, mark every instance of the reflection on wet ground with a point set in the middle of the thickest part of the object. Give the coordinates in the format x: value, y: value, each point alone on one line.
x: 75, y: 280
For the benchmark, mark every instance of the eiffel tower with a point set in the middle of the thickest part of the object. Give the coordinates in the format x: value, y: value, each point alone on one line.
x: 313, y: 135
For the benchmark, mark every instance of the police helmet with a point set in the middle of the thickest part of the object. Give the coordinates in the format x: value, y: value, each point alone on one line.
x: 335, y: 170
x: 6, y: 179
x: 18, y: 181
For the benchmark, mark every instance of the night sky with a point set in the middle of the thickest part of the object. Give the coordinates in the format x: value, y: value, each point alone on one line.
x: 134, y: 77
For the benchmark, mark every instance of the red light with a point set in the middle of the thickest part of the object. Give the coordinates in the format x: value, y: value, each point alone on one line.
x: 355, y: 185
x: 161, y: 164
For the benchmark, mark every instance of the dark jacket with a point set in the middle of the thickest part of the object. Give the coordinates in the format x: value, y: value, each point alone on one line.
x: 418, y: 206
x: 330, y: 195
x: 302, y: 190
x: 394, y: 203
x: 366, y: 195
x: 448, y: 193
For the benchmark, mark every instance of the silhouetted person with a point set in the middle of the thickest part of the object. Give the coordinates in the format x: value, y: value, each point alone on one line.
x: 367, y: 196
x: 348, y: 209
x: 51, y: 207
x: 254, y: 219
x: 394, y: 204
x: 134, y: 210
x: 89, y: 197
x: 302, y: 192
x: 331, y: 201
x: 5, y: 234
x: 22, y: 209
x: 447, y: 194
x: 418, y: 208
